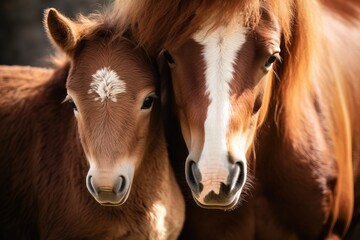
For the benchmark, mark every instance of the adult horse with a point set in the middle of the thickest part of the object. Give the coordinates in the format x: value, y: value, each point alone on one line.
x: 108, y: 137
x: 272, y: 81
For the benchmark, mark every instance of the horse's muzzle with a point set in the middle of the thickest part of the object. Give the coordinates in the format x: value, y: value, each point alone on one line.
x: 213, y: 192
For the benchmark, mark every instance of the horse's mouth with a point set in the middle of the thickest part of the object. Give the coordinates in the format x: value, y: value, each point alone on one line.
x: 228, y: 206
x: 110, y: 204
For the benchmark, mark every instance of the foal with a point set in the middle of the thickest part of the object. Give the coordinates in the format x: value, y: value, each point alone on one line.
x: 106, y: 135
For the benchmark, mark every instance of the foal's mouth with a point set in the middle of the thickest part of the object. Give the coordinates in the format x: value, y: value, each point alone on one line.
x: 112, y: 199
x: 113, y: 203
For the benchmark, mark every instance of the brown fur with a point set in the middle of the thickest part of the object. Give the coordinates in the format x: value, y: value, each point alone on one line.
x: 43, y: 161
x: 308, y: 147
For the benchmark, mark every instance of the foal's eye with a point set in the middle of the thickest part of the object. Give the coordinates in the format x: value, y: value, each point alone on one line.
x: 72, y: 104
x: 168, y: 57
x: 148, y: 102
x: 270, y: 60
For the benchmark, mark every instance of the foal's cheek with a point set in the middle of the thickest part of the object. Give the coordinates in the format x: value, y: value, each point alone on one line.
x: 142, y: 132
x: 83, y: 138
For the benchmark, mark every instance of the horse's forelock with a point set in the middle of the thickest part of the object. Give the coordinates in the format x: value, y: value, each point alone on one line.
x: 162, y: 23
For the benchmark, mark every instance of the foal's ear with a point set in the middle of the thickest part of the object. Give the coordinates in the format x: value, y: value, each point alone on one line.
x: 62, y: 31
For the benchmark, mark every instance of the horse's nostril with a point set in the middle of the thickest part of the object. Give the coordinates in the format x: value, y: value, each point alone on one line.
x: 193, y: 176
x: 91, y: 185
x: 241, y: 176
x: 120, y: 185
x: 236, y: 177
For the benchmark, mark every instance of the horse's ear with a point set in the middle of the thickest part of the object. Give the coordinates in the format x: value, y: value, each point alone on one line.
x: 61, y: 30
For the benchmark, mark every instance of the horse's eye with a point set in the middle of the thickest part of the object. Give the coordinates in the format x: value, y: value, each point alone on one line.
x: 168, y: 57
x: 270, y: 60
x: 72, y: 104
x: 148, y: 101
x: 257, y: 104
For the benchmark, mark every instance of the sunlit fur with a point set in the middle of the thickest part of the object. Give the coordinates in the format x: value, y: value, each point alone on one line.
x: 307, y: 142
x: 48, y: 148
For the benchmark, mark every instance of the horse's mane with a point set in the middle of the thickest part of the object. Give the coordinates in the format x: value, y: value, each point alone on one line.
x: 162, y: 23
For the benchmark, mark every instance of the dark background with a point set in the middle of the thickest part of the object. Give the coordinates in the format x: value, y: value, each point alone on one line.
x: 23, y: 40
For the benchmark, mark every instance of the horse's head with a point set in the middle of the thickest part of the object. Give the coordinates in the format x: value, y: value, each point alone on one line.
x: 111, y: 87
x: 221, y: 81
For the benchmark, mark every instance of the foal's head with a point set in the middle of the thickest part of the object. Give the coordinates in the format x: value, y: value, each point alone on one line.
x: 221, y: 81
x: 111, y: 87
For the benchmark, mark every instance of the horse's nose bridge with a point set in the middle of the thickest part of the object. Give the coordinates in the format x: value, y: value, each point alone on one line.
x: 213, y: 168
x: 213, y: 174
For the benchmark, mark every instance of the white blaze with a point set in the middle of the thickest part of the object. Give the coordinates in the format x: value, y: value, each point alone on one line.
x: 107, y: 84
x: 220, y: 49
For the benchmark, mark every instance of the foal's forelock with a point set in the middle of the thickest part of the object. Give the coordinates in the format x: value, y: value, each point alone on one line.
x: 107, y: 84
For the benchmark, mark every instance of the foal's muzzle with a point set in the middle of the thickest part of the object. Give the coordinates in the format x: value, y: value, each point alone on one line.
x: 107, y: 190
x: 226, y: 193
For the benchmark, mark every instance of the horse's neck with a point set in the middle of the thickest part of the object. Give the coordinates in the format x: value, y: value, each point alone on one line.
x: 323, y: 143
x: 329, y: 100
x: 341, y: 28
x: 341, y: 91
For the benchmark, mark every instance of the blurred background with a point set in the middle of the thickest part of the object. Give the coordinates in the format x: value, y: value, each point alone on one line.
x: 23, y: 39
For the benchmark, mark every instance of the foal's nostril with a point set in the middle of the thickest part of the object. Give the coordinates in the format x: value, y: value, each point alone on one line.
x: 193, y: 176
x: 120, y: 185
x: 90, y: 185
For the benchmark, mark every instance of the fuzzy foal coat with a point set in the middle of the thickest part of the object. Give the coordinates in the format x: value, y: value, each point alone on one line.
x: 43, y: 169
